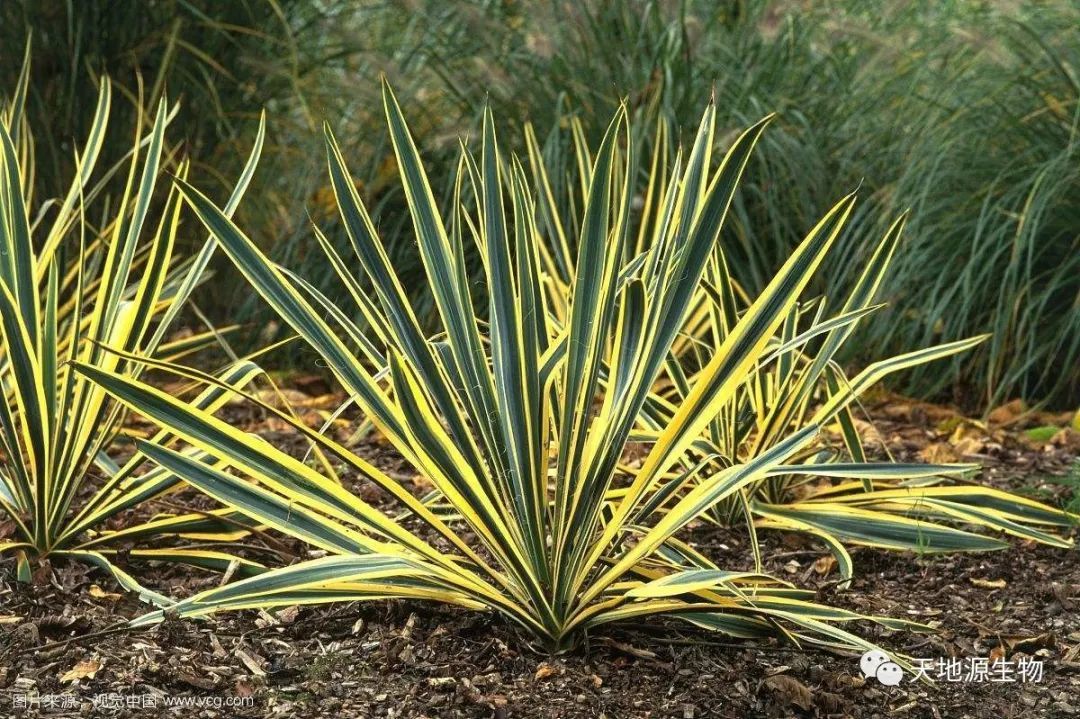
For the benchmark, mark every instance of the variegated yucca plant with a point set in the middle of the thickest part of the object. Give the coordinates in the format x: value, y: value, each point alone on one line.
x: 831, y: 490
x: 832, y: 493
x: 520, y: 415
x: 69, y: 286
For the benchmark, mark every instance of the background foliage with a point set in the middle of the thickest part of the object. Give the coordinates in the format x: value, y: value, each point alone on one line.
x: 964, y: 112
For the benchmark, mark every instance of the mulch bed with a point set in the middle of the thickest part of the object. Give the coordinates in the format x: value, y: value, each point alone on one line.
x: 401, y: 659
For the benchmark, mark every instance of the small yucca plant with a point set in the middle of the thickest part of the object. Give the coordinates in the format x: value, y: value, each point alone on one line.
x: 521, y: 420
x: 68, y: 288
x: 831, y: 492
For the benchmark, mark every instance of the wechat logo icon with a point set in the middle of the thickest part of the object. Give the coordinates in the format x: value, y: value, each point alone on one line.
x: 876, y: 663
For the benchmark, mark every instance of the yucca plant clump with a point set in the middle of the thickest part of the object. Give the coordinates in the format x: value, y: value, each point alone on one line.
x: 831, y: 490
x: 74, y: 279
x: 521, y: 415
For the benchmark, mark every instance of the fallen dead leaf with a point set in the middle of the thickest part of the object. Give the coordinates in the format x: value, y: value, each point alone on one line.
x: 545, y: 671
x: 1007, y: 412
x: 312, y: 384
x: 968, y: 446
x: 98, y: 593
x: 254, y: 666
x: 421, y: 482
x: 276, y: 424
x: 629, y: 649
x: 266, y: 619
x: 288, y: 614
x: 897, y: 410
x: 868, y: 433
x: 216, y: 648
x: 824, y: 565
x: 938, y: 453
x: 1067, y: 439
x: 289, y: 396
x: 1030, y: 644
x: 201, y: 682
x: 989, y: 583
x: 86, y: 669
x: 964, y: 428
x: 244, y: 687
x: 791, y: 691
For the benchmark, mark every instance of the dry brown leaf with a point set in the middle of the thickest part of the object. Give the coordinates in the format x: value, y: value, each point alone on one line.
x: 1058, y: 419
x: 201, y: 682
x: 86, y: 669
x: 791, y: 691
x: 276, y: 424
x: 292, y: 397
x: 330, y: 401
x: 1031, y: 644
x: 968, y: 446
x: 900, y: 411
x: 288, y: 614
x: 422, y: 483
x: 630, y: 649
x: 1067, y: 439
x: 868, y: 433
x: 1007, y: 412
x: 98, y: 593
x: 938, y: 453
x: 266, y: 619
x: 989, y: 583
x: 244, y: 687
x: 254, y: 666
x: 824, y: 565
x: 311, y: 384
x: 964, y: 428
x: 314, y: 418
x: 802, y: 491
x: 215, y: 645
x: 545, y: 671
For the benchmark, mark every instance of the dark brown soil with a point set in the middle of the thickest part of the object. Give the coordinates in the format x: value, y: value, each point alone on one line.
x: 396, y: 659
